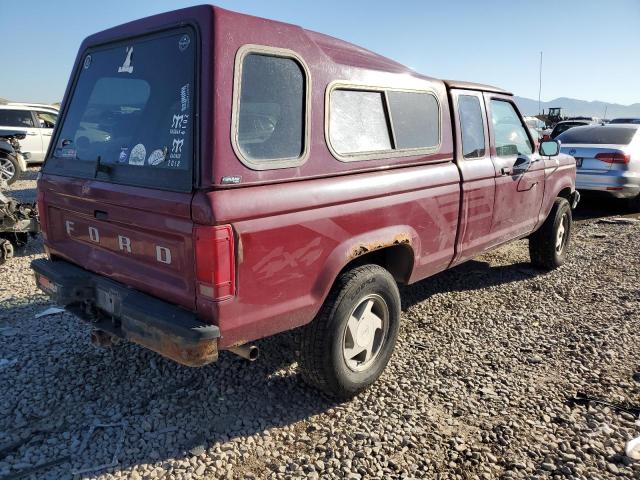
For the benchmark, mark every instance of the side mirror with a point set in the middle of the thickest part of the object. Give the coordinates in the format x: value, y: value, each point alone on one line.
x: 549, y: 148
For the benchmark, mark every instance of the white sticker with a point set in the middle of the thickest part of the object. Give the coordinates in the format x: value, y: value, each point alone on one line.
x: 176, y: 146
x: 126, y: 66
x: 156, y: 157
x: 184, y: 42
x: 184, y: 97
x: 138, y: 154
x: 179, y: 124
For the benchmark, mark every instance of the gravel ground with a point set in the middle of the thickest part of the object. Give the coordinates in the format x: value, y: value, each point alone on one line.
x: 488, y: 356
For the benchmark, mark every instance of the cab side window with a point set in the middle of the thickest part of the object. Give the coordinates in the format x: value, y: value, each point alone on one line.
x: 16, y: 118
x: 510, y: 136
x: 471, y: 126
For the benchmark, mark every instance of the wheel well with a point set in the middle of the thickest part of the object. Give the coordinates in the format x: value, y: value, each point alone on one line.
x: 565, y: 193
x: 397, y: 259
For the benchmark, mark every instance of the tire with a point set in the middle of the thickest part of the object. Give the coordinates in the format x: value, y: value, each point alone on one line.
x: 634, y: 204
x: 10, y: 169
x: 330, y: 357
x: 548, y: 246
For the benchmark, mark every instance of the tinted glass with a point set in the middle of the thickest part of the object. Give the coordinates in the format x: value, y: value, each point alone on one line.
x: 358, y: 122
x: 15, y: 118
x: 625, y: 120
x: 415, y: 119
x: 132, y: 109
x: 272, y: 102
x: 599, y: 135
x: 510, y: 136
x: 471, y: 126
x: 47, y: 119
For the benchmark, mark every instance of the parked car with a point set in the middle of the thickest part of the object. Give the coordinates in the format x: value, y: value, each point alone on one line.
x: 566, y: 125
x: 607, y: 159
x: 633, y: 120
x: 36, y: 122
x: 12, y: 160
x: 276, y: 178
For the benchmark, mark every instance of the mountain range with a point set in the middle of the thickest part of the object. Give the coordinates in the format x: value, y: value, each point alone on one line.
x: 579, y: 108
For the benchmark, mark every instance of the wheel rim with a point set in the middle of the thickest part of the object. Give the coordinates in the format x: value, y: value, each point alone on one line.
x: 365, y: 332
x: 7, y: 169
x: 561, y: 235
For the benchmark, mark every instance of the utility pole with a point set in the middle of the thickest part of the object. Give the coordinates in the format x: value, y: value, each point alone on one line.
x: 540, y: 85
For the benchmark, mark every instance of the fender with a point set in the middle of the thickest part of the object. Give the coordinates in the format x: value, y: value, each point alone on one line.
x: 560, y: 178
x: 362, y: 244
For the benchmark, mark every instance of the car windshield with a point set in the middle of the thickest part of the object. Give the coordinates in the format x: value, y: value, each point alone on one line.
x: 599, y: 135
x: 130, y: 117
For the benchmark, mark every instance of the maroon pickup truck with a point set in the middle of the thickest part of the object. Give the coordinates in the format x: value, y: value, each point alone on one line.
x: 216, y: 178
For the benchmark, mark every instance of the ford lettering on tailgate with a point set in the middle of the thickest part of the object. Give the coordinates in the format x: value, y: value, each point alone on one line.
x: 119, y: 240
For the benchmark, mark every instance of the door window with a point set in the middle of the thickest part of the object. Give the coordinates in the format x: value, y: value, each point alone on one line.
x: 16, y: 118
x: 510, y: 135
x: 471, y: 126
x: 46, y: 119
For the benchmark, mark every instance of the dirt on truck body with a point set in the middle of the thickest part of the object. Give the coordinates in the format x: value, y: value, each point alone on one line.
x: 216, y: 178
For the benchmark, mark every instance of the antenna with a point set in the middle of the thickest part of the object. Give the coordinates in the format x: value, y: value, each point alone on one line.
x: 540, y: 84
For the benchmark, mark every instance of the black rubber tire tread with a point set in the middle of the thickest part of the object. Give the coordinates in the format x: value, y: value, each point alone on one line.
x: 317, y: 339
x: 18, y: 170
x: 542, y: 246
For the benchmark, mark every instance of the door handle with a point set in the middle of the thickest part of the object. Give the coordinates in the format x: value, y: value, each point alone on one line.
x: 31, y: 133
x: 505, y: 170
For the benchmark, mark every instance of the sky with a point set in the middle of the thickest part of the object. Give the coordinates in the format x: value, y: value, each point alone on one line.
x: 590, y: 47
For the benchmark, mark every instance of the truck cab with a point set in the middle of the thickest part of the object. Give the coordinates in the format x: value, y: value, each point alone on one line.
x: 216, y: 178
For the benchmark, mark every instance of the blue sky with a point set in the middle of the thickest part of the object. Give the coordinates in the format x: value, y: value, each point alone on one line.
x: 590, y: 46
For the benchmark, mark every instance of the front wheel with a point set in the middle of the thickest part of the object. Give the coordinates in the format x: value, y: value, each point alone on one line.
x: 549, y: 244
x: 348, y: 345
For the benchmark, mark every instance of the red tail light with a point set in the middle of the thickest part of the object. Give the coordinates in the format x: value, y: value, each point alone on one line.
x: 215, y: 261
x: 614, y: 157
x: 42, y: 213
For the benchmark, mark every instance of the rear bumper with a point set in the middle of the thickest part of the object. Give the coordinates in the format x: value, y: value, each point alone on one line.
x: 118, y: 310
x: 618, y: 183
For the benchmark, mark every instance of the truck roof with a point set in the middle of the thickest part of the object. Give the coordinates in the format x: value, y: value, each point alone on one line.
x: 475, y: 86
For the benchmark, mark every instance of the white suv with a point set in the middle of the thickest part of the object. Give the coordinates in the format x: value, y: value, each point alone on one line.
x: 36, y: 121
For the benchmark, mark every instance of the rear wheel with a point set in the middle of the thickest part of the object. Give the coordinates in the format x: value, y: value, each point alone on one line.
x: 549, y: 244
x: 9, y: 170
x: 348, y: 345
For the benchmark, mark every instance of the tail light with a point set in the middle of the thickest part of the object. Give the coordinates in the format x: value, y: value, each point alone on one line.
x: 42, y: 213
x: 215, y: 261
x: 614, y: 157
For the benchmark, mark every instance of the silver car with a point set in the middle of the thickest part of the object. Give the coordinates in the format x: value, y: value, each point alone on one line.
x: 607, y: 157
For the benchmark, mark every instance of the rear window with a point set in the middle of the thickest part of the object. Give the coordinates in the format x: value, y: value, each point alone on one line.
x: 130, y: 117
x: 598, y: 135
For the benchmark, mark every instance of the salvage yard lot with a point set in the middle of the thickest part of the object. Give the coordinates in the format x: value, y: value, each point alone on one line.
x: 488, y: 356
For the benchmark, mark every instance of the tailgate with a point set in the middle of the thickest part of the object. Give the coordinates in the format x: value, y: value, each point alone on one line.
x: 137, y: 236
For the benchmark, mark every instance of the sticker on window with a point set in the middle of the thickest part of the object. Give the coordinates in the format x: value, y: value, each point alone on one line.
x: 126, y: 66
x: 124, y: 154
x: 179, y: 124
x: 184, y: 42
x: 184, y: 98
x: 156, y: 157
x: 138, y: 155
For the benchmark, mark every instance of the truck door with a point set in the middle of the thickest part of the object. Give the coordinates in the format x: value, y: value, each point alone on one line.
x: 519, y: 171
x: 477, y: 171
